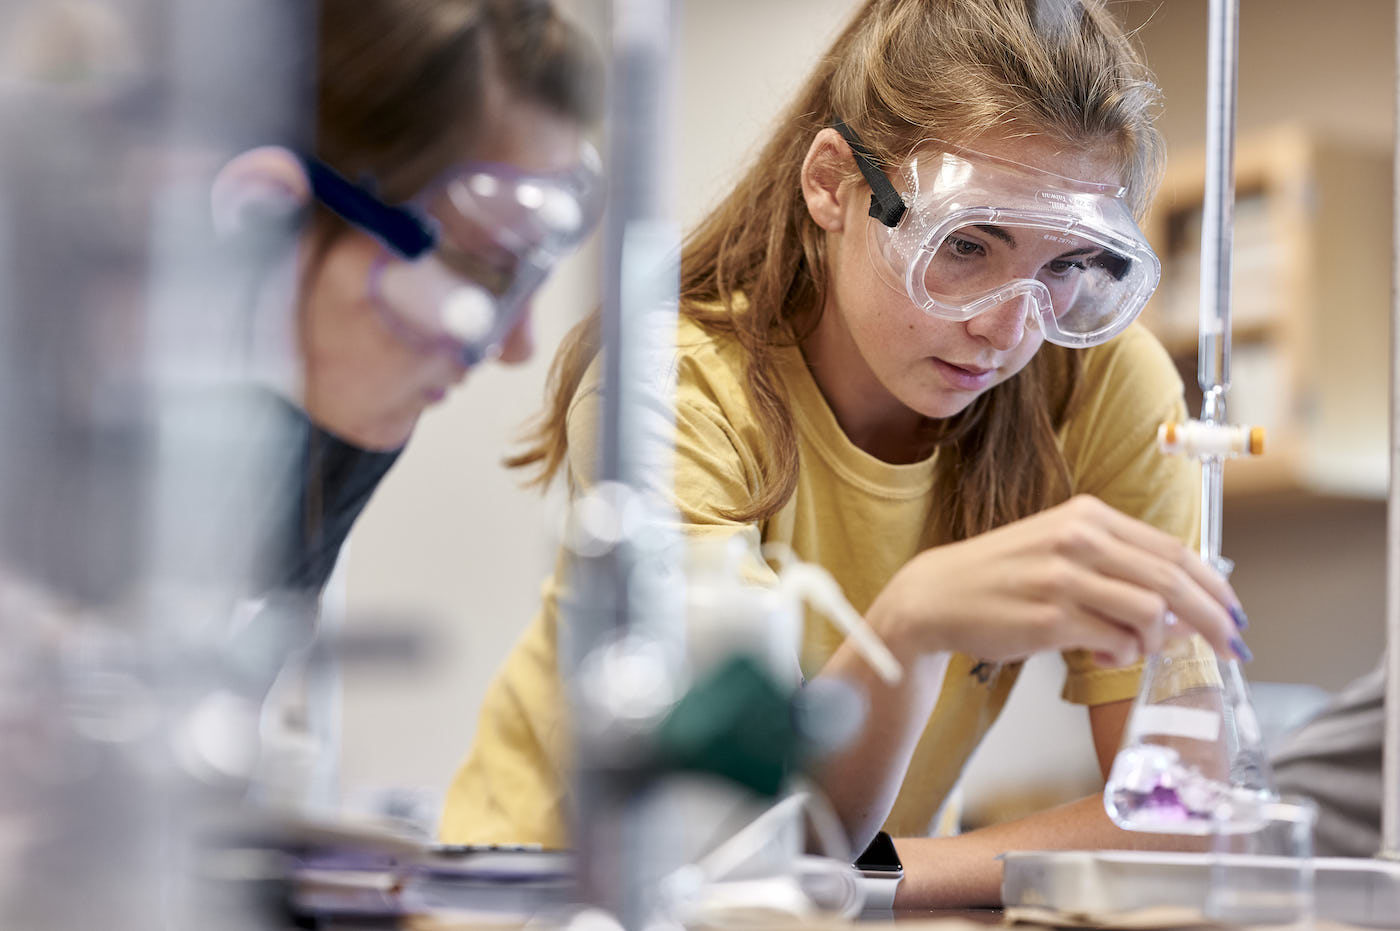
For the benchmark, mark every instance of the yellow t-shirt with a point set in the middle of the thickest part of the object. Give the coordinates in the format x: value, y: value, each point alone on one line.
x: 860, y: 518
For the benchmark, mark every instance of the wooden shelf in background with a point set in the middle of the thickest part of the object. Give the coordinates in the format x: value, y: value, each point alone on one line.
x: 1311, y: 291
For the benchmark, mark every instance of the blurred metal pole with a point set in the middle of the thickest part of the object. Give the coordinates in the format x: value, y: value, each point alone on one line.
x: 640, y: 156
x: 616, y: 675
x: 1390, y: 768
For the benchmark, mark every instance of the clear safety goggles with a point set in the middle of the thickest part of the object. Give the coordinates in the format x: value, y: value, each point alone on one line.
x: 462, y: 259
x: 965, y: 233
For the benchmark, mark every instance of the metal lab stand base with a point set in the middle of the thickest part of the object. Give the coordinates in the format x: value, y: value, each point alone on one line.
x: 1365, y: 893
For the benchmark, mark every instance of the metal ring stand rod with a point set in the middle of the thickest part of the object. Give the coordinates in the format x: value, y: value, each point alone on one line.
x: 612, y: 603
x: 1390, y: 769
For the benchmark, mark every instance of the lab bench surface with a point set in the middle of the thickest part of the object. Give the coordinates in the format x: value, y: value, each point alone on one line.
x: 938, y: 920
x: 933, y: 920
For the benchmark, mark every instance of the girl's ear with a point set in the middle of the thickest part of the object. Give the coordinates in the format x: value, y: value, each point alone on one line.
x: 267, y: 182
x: 827, y: 166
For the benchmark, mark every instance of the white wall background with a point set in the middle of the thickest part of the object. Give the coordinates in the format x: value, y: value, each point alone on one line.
x: 451, y: 543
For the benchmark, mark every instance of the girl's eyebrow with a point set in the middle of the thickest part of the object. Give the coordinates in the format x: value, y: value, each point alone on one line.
x: 996, y: 232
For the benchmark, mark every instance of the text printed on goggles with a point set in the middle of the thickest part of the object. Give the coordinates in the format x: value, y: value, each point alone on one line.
x: 967, y: 232
x: 462, y: 259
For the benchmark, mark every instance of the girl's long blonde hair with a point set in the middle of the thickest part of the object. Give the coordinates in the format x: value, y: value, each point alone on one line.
x: 900, y: 72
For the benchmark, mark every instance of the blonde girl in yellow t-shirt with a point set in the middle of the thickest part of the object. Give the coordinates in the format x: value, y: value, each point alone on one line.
x: 863, y: 372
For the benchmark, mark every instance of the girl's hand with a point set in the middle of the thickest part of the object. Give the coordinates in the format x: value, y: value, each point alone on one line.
x: 1078, y: 576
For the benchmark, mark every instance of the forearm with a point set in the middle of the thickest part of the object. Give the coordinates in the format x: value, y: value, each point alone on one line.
x: 863, y: 779
x: 963, y: 871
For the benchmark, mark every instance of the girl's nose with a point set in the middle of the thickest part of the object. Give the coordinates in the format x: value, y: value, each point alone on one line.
x: 519, y: 343
x: 1003, y: 326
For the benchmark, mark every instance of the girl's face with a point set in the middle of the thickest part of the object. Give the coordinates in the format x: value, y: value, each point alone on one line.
x: 883, y: 363
x: 366, y: 380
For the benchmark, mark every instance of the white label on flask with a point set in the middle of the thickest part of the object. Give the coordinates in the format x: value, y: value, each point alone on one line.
x: 1174, y: 721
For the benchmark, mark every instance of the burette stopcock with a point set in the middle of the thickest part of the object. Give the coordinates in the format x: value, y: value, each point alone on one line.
x: 1199, y: 440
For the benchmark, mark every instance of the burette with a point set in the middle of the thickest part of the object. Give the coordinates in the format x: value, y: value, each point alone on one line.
x: 1212, y: 438
x: 1217, y: 230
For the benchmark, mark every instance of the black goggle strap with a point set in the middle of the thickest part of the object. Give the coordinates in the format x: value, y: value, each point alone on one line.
x: 401, y: 229
x: 885, y: 202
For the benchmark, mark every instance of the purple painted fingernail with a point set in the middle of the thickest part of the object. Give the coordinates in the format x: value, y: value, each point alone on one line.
x: 1240, y: 649
x: 1238, y: 616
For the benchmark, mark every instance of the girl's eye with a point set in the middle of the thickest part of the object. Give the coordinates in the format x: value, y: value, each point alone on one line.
x: 1064, y: 266
x: 491, y: 274
x: 963, y: 247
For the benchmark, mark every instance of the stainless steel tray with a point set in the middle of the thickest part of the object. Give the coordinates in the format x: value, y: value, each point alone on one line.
x: 1119, y: 883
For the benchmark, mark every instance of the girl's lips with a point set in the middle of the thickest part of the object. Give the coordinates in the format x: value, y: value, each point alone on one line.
x: 434, y: 395
x: 964, y: 379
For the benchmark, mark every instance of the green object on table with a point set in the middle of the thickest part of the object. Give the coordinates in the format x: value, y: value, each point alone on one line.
x: 736, y: 722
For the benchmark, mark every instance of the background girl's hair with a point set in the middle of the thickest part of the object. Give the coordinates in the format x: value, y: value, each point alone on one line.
x: 399, y: 85
x: 754, y: 270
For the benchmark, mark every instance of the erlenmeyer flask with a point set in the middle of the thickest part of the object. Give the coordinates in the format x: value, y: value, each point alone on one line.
x: 1193, y: 759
